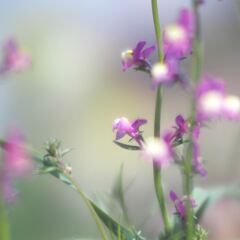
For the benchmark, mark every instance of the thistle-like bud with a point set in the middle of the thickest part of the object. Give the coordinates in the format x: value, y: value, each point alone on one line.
x: 201, y: 233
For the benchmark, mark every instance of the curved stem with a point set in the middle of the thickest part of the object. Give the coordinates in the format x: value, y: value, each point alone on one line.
x: 156, y: 170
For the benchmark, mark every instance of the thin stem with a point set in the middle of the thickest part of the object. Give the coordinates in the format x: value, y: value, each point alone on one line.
x: 4, y: 222
x: 196, y: 74
x: 156, y: 170
x: 197, y: 46
x: 157, y: 30
x: 90, y: 207
x: 188, y: 185
x: 161, y: 199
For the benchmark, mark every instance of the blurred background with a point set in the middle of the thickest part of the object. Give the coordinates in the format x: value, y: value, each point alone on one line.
x: 76, y: 89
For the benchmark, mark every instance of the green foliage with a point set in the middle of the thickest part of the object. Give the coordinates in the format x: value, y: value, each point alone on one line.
x: 120, y: 231
x: 127, y: 146
x: 118, y: 194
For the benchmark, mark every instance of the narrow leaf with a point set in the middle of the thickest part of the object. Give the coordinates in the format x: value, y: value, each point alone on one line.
x: 115, y: 227
x: 118, y: 193
x: 127, y: 146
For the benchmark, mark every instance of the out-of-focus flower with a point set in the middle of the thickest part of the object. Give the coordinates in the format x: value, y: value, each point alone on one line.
x: 231, y: 107
x: 165, y: 72
x: 14, y: 59
x: 137, y: 57
x: 197, y: 165
x: 123, y: 127
x: 213, y: 102
x: 8, y: 191
x: 178, y: 37
x: 181, y: 128
x: 17, y: 161
x: 200, y: 2
x: 210, y: 95
x: 158, y: 150
x: 180, y: 203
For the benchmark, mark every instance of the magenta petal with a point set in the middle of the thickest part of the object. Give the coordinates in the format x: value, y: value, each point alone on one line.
x: 138, y: 123
x: 16, y: 159
x: 120, y: 135
x: 148, y: 52
x: 137, y: 50
x: 173, y: 196
x: 180, y: 206
x: 187, y: 20
x: 200, y: 169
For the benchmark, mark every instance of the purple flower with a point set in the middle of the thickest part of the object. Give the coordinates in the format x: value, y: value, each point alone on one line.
x: 123, y: 127
x: 231, y: 107
x: 137, y: 57
x: 17, y: 161
x: 213, y: 102
x: 9, y: 192
x: 14, y: 59
x: 165, y: 72
x: 178, y: 37
x: 197, y: 165
x: 180, y: 203
x: 158, y: 150
x: 210, y: 95
x: 181, y: 128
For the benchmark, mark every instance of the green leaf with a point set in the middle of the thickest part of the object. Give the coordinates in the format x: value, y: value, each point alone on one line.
x: 66, y: 151
x: 115, y: 227
x: 127, y: 146
x: 118, y: 193
x: 44, y: 170
x: 201, y: 209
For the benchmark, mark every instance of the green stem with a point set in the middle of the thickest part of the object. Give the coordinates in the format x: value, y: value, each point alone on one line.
x: 188, y: 185
x: 89, y: 205
x: 197, y: 46
x: 196, y: 74
x: 4, y: 222
x: 156, y: 170
x: 157, y: 30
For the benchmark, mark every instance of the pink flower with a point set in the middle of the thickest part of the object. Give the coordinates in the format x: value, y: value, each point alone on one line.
x: 181, y: 128
x: 137, y: 57
x: 180, y: 203
x: 123, y: 127
x: 165, y: 72
x: 213, y: 101
x: 178, y: 37
x: 210, y: 94
x: 17, y: 161
x: 14, y: 59
x: 231, y: 107
x: 9, y: 192
x: 158, y: 150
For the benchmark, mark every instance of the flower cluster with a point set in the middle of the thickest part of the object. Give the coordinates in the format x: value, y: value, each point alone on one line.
x: 16, y: 163
x: 178, y: 37
x: 210, y: 102
x: 177, y: 45
x: 14, y: 59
